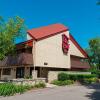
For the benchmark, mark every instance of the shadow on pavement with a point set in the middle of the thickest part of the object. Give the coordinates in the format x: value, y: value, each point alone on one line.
x: 95, y: 95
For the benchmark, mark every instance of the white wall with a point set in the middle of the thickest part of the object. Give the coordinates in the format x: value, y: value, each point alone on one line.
x: 49, y: 50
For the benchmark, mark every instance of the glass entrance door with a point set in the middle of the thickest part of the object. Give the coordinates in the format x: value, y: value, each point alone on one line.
x: 20, y: 72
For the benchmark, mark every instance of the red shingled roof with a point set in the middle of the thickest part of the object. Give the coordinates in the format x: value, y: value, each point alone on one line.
x: 46, y: 31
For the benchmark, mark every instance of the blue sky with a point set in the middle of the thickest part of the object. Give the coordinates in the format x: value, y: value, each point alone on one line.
x: 81, y: 16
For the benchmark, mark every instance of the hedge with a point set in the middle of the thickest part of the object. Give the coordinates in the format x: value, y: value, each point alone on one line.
x: 79, y: 77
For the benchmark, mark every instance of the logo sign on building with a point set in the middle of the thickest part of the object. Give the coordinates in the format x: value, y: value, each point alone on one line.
x: 65, y: 44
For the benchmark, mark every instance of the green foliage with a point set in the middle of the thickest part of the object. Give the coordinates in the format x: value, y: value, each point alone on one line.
x: 66, y: 79
x: 98, y: 2
x: 9, y: 31
x: 94, y: 52
x: 62, y: 83
x: 90, y: 80
x: 40, y: 85
x: 8, y: 89
x: 20, y: 89
x: 28, y: 77
x: 75, y: 77
x: 62, y: 76
x: 96, y: 72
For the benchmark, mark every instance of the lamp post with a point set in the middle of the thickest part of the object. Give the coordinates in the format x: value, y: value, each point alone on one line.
x: 33, y: 59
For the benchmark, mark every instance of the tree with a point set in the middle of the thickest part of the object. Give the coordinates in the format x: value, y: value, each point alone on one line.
x: 94, y: 52
x: 9, y: 31
x: 98, y: 2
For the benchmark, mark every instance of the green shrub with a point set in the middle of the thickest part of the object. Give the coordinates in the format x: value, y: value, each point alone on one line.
x: 28, y: 77
x: 81, y: 77
x: 75, y: 77
x: 20, y: 89
x: 69, y: 82
x: 63, y: 76
x: 28, y: 87
x: 95, y: 71
x: 40, y: 85
x: 98, y: 74
x: 8, y: 89
x: 62, y: 83
x: 90, y: 80
x: 89, y: 75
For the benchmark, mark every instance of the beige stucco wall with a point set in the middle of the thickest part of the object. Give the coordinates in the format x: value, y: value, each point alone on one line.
x: 49, y: 51
x: 74, y: 50
x: 53, y: 75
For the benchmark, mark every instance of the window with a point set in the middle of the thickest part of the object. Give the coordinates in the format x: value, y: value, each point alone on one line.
x: 84, y: 60
x: 6, y: 71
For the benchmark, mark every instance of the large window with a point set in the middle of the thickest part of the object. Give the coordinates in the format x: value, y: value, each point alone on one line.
x: 6, y: 71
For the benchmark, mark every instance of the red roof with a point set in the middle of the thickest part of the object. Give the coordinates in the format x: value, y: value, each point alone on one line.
x: 46, y: 31
x: 22, y: 44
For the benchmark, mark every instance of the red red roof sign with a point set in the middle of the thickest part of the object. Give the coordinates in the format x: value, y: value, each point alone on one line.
x: 65, y: 44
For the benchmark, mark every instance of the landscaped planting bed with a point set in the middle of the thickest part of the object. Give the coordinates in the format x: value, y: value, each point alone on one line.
x: 62, y: 83
x: 67, y: 79
x: 8, y: 89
